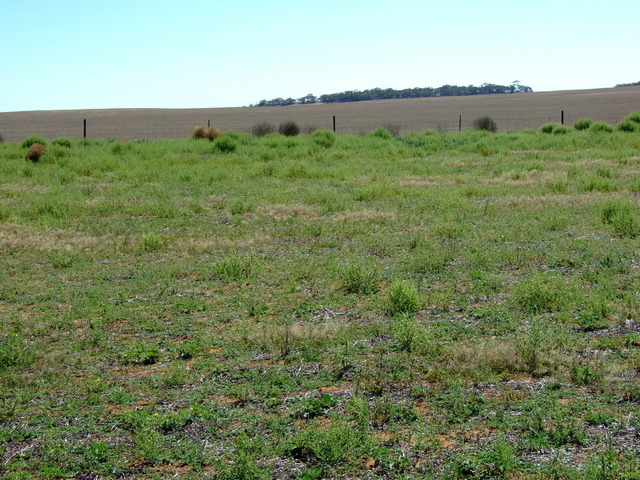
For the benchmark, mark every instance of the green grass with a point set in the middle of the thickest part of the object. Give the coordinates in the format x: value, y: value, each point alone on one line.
x: 321, y: 306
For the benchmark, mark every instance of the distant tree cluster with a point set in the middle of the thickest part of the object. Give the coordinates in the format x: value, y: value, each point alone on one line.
x: 390, y: 93
x: 628, y: 84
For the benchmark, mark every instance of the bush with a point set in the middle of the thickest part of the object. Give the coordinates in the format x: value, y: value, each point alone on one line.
x: 30, y: 140
x: 583, y: 124
x: 62, y: 142
x: 324, y: 138
x: 199, y: 132
x: 262, y: 129
x: 382, y: 132
x: 554, y: 128
x: 628, y: 126
x: 485, y: 123
x: 225, y: 145
x: 289, y: 129
x: 622, y: 216
x: 36, y: 151
x: 358, y: 278
x: 601, y: 127
x: 633, y: 117
x: 212, y: 133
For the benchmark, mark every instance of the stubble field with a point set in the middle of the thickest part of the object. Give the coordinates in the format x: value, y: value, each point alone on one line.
x: 511, y: 112
x: 430, y: 305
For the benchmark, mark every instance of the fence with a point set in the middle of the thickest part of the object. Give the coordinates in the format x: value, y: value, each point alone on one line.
x: 445, y: 114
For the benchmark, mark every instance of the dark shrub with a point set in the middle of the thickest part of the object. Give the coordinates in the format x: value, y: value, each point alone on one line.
x: 485, y: 123
x: 199, y: 132
x: 289, y: 129
x: 30, y: 140
x: 583, y: 124
x: 36, y: 151
x: 262, y: 129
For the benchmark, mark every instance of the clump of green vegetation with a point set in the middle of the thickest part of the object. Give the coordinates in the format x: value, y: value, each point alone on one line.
x: 601, y: 127
x: 62, y: 142
x: 30, y: 140
x: 225, y: 144
x: 628, y: 126
x: 401, y: 297
x: 583, y: 124
x: 622, y: 216
x: 383, y: 133
x: 555, y: 128
x: 324, y: 138
x: 360, y: 278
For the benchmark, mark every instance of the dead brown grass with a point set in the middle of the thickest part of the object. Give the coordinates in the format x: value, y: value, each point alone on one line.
x: 510, y: 112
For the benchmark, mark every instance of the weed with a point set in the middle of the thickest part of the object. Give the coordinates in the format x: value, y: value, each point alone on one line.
x: 601, y: 127
x: 141, y: 354
x: 324, y: 138
x: 583, y: 124
x: 235, y: 268
x: 622, y: 215
x: 225, y: 144
x: 199, y: 133
x: 62, y: 142
x: 401, y: 297
x: 383, y: 133
x: 212, y: 133
x: 32, y: 139
x: 360, y: 278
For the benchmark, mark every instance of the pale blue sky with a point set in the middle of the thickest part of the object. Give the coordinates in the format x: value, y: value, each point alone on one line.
x: 71, y: 54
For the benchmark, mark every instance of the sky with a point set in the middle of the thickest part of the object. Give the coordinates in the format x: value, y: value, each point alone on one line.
x: 86, y: 54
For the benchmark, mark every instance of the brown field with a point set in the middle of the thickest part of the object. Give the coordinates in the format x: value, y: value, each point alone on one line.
x: 511, y: 112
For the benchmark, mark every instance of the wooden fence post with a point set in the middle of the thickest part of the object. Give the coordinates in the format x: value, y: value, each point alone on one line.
x: 334, y: 123
x: 84, y: 134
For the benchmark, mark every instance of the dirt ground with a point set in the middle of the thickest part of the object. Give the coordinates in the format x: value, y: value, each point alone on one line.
x: 510, y: 112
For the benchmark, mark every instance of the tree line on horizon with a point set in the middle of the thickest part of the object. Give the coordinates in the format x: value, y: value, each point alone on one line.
x: 390, y: 93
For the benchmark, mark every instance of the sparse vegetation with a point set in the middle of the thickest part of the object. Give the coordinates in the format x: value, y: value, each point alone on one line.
x: 426, y: 305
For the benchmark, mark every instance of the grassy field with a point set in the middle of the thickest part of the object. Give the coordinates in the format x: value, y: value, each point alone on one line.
x: 432, y: 305
x: 511, y: 112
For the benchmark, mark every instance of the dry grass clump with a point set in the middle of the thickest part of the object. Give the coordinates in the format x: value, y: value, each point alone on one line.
x: 212, y: 133
x: 35, y: 152
x: 199, y: 132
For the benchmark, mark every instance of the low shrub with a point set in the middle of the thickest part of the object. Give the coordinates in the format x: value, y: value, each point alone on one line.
x: 601, y: 127
x: 633, y: 117
x: 402, y: 297
x: 485, y: 123
x: 383, y: 133
x: 583, y: 124
x: 628, y: 126
x: 554, y: 128
x: 622, y: 216
x: 199, y: 132
x: 62, y: 142
x: 212, y: 133
x: 324, y: 138
x: 36, y: 151
x: 359, y: 278
x: 30, y: 140
x: 225, y: 145
x: 289, y: 129
x: 262, y: 129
